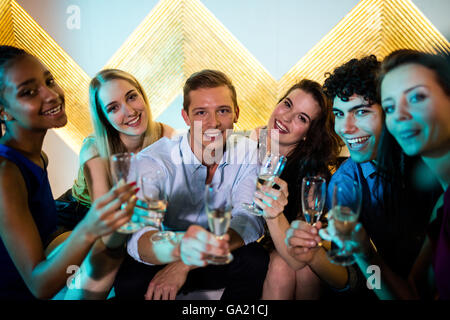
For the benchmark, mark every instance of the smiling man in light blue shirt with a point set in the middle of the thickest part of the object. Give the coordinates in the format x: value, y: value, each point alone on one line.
x: 206, y: 154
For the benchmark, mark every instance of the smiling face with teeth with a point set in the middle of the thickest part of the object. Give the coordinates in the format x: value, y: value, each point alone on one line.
x: 124, y: 107
x: 417, y: 109
x: 33, y: 98
x: 211, y: 113
x: 359, y: 124
x: 292, y: 118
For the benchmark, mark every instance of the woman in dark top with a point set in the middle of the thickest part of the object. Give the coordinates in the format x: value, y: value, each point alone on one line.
x: 31, y: 102
x: 304, y: 122
x: 415, y: 96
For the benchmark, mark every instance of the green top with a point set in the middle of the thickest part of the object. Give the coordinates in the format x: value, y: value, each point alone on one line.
x: 80, y: 189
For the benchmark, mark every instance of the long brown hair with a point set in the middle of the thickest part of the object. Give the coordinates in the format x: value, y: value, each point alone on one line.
x: 317, y: 153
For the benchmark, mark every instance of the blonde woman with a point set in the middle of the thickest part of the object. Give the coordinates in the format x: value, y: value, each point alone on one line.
x: 122, y: 122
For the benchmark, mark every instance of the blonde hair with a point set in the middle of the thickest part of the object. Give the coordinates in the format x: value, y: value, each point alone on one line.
x: 107, y: 138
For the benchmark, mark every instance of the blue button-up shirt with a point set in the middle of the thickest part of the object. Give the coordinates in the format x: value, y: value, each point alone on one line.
x: 184, y: 178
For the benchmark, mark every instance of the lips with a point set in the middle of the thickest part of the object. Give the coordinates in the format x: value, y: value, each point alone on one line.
x: 212, y: 134
x: 357, y: 143
x: 408, y: 134
x: 53, y: 111
x: 280, y: 127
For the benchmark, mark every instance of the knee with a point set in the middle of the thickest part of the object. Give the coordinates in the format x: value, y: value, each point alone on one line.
x: 279, y: 271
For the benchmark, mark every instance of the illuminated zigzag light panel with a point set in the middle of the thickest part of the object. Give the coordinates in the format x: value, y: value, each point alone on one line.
x: 179, y: 37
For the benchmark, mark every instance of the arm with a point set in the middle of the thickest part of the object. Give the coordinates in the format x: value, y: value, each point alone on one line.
x: 46, y: 277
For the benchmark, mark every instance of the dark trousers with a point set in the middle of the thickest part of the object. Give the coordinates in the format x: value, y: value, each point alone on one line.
x: 243, y: 278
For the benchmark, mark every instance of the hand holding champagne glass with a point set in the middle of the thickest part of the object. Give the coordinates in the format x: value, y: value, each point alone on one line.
x: 218, y: 207
x: 120, y: 167
x: 343, y: 218
x: 155, y: 197
x: 271, y: 167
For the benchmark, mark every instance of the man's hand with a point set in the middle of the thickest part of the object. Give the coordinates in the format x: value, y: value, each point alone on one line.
x: 166, y: 283
x: 303, y: 241
x: 197, y: 245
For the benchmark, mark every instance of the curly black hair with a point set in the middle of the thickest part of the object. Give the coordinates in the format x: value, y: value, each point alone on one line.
x: 357, y: 76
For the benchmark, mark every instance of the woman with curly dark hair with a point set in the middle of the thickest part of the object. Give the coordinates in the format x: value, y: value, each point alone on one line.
x: 303, y: 126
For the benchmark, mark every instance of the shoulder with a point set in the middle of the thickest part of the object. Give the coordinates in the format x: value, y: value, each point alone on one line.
x: 167, y: 131
x: 10, y: 175
x: 88, y: 150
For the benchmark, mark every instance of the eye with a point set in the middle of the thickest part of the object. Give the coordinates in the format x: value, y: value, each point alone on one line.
x: 200, y: 113
x: 338, y: 114
x: 361, y: 112
x: 302, y: 118
x: 112, y: 108
x: 418, y: 97
x: 224, y: 111
x: 388, y: 109
x: 287, y: 104
x: 132, y: 96
x: 27, y: 93
x: 51, y: 82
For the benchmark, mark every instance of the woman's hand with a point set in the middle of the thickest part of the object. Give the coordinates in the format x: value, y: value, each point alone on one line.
x: 272, y: 199
x: 110, y: 211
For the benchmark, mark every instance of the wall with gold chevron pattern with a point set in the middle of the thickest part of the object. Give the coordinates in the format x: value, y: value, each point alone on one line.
x: 263, y: 45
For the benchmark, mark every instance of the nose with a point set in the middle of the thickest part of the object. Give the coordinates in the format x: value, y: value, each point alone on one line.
x: 48, y: 94
x: 128, y: 110
x: 401, y: 112
x: 346, y: 125
x: 213, y: 121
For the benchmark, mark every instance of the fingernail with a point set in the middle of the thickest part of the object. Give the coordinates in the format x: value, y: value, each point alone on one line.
x: 133, y: 183
x: 136, y: 190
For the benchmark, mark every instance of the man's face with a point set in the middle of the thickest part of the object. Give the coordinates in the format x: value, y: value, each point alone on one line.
x: 211, y: 113
x: 359, y: 124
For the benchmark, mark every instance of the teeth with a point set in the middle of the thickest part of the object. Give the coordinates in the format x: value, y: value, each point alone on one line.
x: 281, y: 126
x: 53, y: 111
x: 212, y: 133
x: 358, y: 140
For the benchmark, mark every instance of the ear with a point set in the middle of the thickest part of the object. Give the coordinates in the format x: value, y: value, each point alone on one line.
x: 236, y: 114
x: 186, y: 117
x: 4, y: 116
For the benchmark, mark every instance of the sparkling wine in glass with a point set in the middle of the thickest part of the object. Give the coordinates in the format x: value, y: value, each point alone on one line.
x: 120, y: 167
x: 313, y: 198
x: 271, y: 167
x: 152, y: 186
x: 218, y: 208
x: 344, y: 216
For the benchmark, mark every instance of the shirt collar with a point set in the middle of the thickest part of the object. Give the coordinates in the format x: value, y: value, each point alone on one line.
x: 368, y: 169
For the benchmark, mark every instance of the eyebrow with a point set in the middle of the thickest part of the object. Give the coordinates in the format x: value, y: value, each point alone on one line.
x: 408, y: 90
x: 204, y: 108
x: 32, y: 80
x: 354, y: 108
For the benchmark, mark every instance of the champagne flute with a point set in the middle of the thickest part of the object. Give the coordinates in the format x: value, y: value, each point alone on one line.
x: 120, y: 166
x: 218, y: 208
x: 155, y: 197
x: 313, y: 198
x: 271, y: 167
x: 346, y: 206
